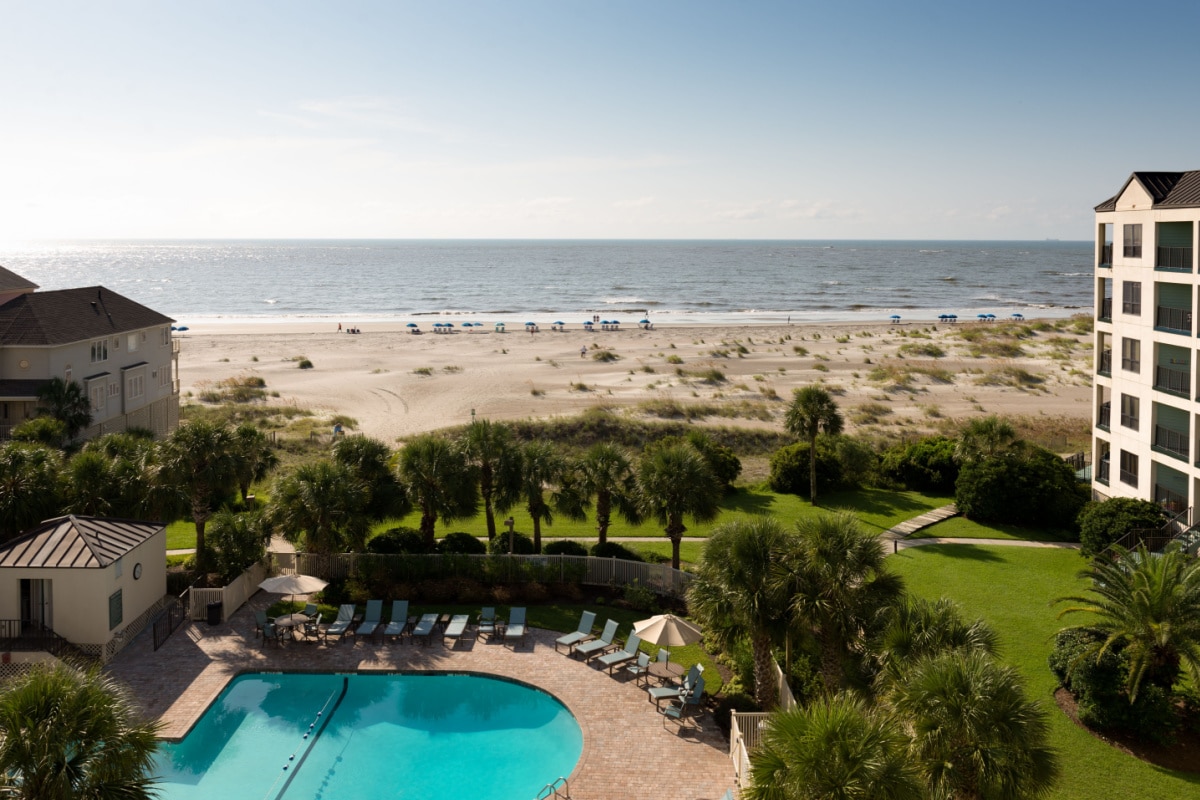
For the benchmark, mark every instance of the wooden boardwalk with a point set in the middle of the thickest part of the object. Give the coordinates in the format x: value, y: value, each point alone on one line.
x: 911, y: 526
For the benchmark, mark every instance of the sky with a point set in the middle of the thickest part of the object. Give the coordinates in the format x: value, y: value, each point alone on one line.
x: 649, y: 119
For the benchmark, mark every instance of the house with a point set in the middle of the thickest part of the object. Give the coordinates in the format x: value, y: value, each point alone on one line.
x: 94, y: 582
x: 121, y: 352
x: 1146, y: 414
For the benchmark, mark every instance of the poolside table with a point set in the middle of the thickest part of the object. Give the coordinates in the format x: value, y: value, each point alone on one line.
x: 289, y: 622
x: 666, y: 670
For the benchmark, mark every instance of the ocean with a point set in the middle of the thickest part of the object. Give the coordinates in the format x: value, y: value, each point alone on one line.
x: 359, y: 281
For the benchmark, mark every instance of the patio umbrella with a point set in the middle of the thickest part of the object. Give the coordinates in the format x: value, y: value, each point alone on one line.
x: 293, y: 584
x: 667, y: 630
x: 894, y: 317
x: 411, y: 325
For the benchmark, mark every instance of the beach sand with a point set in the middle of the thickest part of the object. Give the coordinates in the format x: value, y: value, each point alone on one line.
x: 395, y: 384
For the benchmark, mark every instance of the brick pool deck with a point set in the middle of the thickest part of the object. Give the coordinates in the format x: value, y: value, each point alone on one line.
x: 628, y: 751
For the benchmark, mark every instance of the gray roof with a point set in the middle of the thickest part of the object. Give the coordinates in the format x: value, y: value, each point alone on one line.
x: 20, y: 388
x: 72, y: 315
x: 77, y: 542
x: 1166, y: 189
x: 11, y: 281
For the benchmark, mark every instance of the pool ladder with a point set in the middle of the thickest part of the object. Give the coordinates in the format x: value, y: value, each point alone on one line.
x: 556, y: 788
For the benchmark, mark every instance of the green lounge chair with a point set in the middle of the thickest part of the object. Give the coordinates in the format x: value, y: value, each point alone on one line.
x: 399, y: 624
x: 599, y: 646
x: 456, y: 629
x: 516, y: 626
x: 341, y: 625
x: 640, y: 668
x: 310, y: 610
x: 271, y: 632
x: 487, y: 623
x: 424, y: 628
x: 312, y: 629
x: 676, y: 709
x: 627, y: 653
x: 372, y: 620
x: 581, y: 634
x: 660, y: 693
x: 260, y: 622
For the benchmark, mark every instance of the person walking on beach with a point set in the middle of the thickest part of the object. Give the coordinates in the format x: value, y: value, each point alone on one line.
x: 339, y: 327
x: 583, y: 351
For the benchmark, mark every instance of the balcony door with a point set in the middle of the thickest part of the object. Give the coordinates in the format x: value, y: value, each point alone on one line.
x: 37, y: 604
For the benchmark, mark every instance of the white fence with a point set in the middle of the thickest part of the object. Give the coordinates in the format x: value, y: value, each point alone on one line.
x: 231, y: 597
x: 745, y: 729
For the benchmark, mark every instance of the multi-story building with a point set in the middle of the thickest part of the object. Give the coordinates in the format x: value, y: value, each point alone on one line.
x: 119, y: 351
x: 1147, y: 414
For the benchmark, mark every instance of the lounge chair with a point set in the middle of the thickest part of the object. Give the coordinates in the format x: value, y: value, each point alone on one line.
x: 424, y: 628
x: 487, y: 623
x: 626, y: 654
x: 660, y: 693
x: 676, y: 709
x: 341, y: 625
x: 312, y: 629
x: 456, y: 629
x: 310, y: 610
x: 399, y: 624
x: 640, y: 668
x: 260, y: 621
x: 599, y: 646
x: 516, y: 626
x: 270, y: 631
x: 581, y: 634
x: 372, y: 620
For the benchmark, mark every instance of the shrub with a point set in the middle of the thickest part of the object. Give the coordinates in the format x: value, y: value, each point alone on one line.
x: 789, y: 468
x: 304, y: 363
x: 571, y: 592
x: 640, y: 597
x: 236, y: 541
x: 522, y: 544
x: 1036, y: 489
x: 564, y: 547
x: 1102, y: 523
x: 398, y: 540
x: 856, y: 460
x: 536, y: 592
x: 614, y: 550
x: 723, y: 462
x: 462, y: 544
x: 41, y: 430
x: 926, y: 465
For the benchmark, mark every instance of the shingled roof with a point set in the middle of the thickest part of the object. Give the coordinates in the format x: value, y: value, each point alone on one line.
x: 77, y: 542
x: 11, y: 281
x: 72, y: 315
x: 1166, y: 189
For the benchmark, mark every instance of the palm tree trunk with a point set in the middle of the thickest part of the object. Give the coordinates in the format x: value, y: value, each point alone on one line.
x: 200, y: 515
x: 675, y: 530
x: 537, y: 534
x: 831, y: 666
x: 603, y: 515
x: 764, y: 676
x: 428, y: 521
x: 485, y: 489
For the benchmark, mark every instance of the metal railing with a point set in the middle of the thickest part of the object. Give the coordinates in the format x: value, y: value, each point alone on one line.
x: 1104, y: 418
x: 1155, y: 539
x: 1129, y: 421
x: 1171, y: 441
x: 1106, y: 310
x: 1173, y: 319
x: 167, y: 621
x: 1128, y: 476
x: 1105, y: 367
x: 23, y: 636
x: 1174, y: 258
x: 1174, y: 381
x: 1102, y: 470
x: 1173, y: 502
x: 1105, y: 255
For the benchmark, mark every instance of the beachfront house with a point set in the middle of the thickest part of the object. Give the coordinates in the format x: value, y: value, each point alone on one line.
x: 1146, y: 414
x: 121, y: 352
x: 91, y: 581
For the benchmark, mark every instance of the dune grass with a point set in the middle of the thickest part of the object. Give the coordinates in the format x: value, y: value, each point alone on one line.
x: 1020, y: 585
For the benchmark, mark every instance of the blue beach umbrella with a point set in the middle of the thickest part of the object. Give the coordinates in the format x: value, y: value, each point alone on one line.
x: 1018, y: 316
x: 981, y: 316
x: 643, y: 322
x: 895, y: 317
x: 991, y: 316
x: 411, y: 325
x: 530, y: 324
x: 182, y: 328
x: 587, y: 323
x: 466, y: 325
x: 559, y: 322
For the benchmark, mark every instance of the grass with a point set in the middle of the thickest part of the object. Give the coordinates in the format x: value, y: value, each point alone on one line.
x: 963, y: 528
x: 1020, y: 585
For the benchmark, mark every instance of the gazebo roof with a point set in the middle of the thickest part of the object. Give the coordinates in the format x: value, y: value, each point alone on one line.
x: 77, y: 542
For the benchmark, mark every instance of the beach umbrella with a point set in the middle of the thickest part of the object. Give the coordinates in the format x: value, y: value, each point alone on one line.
x: 894, y: 317
x: 559, y: 322
x: 643, y: 322
x: 981, y: 316
x: 667, y: 630
x: 527, y: 324
x: 991, y: 316
x: 411, y: 325
x: 182, y: 328
x: 293, y: 584
x: 1018, y: 316
x: 466, y: 325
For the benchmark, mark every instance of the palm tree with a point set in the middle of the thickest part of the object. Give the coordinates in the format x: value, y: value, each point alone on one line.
x: 606, y: 474
x: 66, y: 402
x: 28, y: 486
x: 491, y: 450
x: 372, y: 462
x: 88, y: 484
x: 542, y: 468
x: 736, y: 592
x: 199, y: 461
x: 812, y: 412
x: 1151, y: 602
x: 254, y: 457
x: 974, y: 732
x: 986, y: 437
x: 438, y: 481
x: 67, y: 734
x: 133, y: 490
x: 674, y: 482
x: 327, y: 503
x: 840, y: 590
x: 835, y: 749
x: 918, y: 627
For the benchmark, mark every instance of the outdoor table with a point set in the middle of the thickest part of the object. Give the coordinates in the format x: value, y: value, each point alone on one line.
x: 665, y: 670
x: 444, y: 620
x: 289, y: 623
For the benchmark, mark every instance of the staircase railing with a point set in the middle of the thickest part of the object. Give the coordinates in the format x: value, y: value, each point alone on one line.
x: 20, y: 636
x: 1156, y: 539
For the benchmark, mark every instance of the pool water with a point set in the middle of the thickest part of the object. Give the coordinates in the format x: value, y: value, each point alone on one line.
x: 336, y: 737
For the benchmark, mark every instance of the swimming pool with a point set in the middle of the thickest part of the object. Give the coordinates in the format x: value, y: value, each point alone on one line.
x: 366, y: 736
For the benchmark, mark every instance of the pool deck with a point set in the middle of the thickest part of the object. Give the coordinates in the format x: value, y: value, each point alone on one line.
x: 628, y: 751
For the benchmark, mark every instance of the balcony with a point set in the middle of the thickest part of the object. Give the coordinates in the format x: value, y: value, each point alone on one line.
x: 1173, y: 443
x: 1174, y: 320
x: 1105, y: 367
x: 1102, y: 470
x: 1174, y: 259
x: 1173, y: 381
x: 1106, y: 255
x: 1106, y: 310
x: 1104, y: 418
x: 1171, y: 501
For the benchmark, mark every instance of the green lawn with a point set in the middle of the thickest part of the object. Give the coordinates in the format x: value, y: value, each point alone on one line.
x: 963, y: 528
x: 1020, y: 585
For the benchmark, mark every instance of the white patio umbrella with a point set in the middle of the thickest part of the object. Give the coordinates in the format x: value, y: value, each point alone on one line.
x: 667, y: 630
x: 293, y: 584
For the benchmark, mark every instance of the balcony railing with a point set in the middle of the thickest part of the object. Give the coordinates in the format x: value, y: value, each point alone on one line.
x: 1102, y: 471
x: 1132, y: 250
x: 1105, y: 416
x: 1171, y: 442
x: 1106, y: 255
x: 1171, y: 501
x: 1131, y: 364
x: 1173, y: 319
x: 1129, y: 421
x: 1179, y: 258
x: 1173, y: 381
x: 1106, y: 310
x: 1128, y: 476
x: 1105, y: 367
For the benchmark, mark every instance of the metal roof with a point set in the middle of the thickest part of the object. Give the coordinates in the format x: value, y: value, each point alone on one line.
x: 1166, y: 190
x: 72, y: 315
x: 77, y: 542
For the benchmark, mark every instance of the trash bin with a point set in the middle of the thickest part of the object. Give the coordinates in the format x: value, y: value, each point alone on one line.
x: 215, y: 612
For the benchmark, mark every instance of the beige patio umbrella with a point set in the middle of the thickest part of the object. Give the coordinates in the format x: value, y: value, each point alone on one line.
x: 667, y: 630
x: 293, y: 584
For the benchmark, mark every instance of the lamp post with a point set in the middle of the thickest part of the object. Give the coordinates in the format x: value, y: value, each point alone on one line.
x: 509, y: 523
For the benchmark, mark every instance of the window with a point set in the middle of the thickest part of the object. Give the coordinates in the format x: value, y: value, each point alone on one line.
x: 136, y: 387
x: 133, y: 343
x: 116, y: 611
x: 96, y: 393
x: 1131, y: 297
x: 114, y: 389
x: 165, y: 337
x: 1133, y: 241
x: 1129, y: 468
x: 164, y: 376
x: 1129, y: 412
x: 99, y: 351
x: 1131, y: 355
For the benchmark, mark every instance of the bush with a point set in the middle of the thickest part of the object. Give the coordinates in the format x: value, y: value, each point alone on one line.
x: 522, y: 545
x: 926, y: 465
x: 460, y: 543
x: 856, y: 460
x: 41, y: 430
x: 236, y: 541
x: 1036, y: 489
x: 723, y: 462
x: 564, y: 547
x: 1102, y: 523
x: 789, y: 469
x: 640, y: 597
x: 614, y: 550
x: 396, y: 541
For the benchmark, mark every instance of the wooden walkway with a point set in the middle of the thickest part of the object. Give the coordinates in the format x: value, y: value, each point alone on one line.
x: 911, y: 526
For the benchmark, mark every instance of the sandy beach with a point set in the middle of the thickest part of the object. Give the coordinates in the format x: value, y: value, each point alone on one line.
x: 395, y: 384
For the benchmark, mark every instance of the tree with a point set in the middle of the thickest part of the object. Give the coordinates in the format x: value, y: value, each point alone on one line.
x: 1151, y: 603
x: 326, y: 502
x: 812, y: 411
x: 66, y: 402
x: 439, y: 481
x: 496, y: 458
x: 237, y: 541
x: 254, y: 457
x: 1103, y: 523
x: 370, y: 460
x: 674, y: 482
x: 88, y: 484
x: 926, y: 465
x: 67, y: 734
x: 737, y: 592
x: 606, y: 474
x: 840, y: 590
x: 198, y: 460
x: 41, y: 430
x: 917, y: 627
x: 974, y: 732
x: 987, y: 437
x: 133, y: 490
x: 1034, y: 488
x: 723, y: 462
x: 834, y: 749
x: 28, y: 486
x: 541, y: 468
